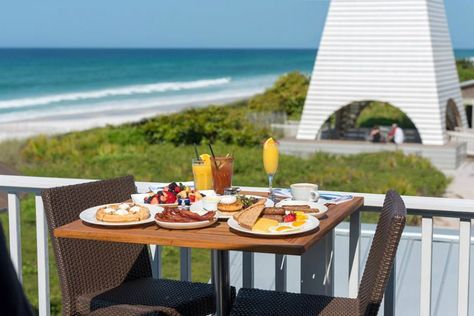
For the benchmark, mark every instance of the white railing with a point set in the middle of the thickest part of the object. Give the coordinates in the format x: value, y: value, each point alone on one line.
x: 426, y: 207
x: 465, y: 135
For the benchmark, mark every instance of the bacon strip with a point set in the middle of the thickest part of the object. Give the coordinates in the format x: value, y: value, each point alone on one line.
x: 174, y: 215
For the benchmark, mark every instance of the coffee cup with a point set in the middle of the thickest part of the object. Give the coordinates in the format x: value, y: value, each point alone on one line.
x: 304, y: 191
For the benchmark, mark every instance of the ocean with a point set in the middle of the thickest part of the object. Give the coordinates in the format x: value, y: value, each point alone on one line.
x: 44, y: 90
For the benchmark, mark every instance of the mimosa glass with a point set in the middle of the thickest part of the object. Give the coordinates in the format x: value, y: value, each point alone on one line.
x: 270, y: 162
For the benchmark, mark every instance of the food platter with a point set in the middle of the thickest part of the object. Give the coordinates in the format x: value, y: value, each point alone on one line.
x: 311, y: 224
x: 322, y: 209
x: 89, y: 216
x: 172, y: 218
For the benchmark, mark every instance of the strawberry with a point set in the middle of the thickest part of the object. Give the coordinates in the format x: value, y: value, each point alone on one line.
x: 171, y: 198
x: 192, y: 198
x: 289, y: 217
x: 177, y: 189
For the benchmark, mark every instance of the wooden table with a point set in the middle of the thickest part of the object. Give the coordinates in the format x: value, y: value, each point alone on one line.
x: 220, y: 239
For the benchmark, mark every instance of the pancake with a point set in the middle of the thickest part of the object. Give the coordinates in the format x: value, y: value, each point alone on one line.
x: 122, y: 213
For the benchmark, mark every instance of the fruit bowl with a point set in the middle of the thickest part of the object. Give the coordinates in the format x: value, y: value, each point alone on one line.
x: 172, y: 194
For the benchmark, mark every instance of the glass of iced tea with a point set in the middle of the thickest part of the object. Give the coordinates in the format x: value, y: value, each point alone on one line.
x: 222, y: 170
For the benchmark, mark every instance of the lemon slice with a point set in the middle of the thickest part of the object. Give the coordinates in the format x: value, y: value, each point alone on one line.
x: 206, y: 158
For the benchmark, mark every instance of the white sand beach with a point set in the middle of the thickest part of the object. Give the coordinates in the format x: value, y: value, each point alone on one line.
x: 63, y: 123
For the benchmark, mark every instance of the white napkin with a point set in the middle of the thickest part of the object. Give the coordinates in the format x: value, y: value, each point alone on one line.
x: 332, y: 198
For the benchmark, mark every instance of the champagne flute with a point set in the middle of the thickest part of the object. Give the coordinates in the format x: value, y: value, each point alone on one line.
x: 270, y: 162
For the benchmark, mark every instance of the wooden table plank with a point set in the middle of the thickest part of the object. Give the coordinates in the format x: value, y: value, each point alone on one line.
x: 218, y: 236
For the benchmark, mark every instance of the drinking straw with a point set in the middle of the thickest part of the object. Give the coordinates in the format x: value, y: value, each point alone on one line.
x: 196, y: 151
x: 213, y: 156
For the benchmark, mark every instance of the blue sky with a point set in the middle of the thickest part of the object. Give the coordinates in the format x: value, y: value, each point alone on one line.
x: 183, y: 23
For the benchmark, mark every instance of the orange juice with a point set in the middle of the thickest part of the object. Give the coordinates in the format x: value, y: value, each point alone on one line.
x: 202, y: 173
x: 270, y: 156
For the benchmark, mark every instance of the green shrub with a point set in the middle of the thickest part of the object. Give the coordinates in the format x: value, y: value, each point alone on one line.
x: 227, y: 124
x: 465, y: 69
x: 379, y: 113
x: 287, y: 95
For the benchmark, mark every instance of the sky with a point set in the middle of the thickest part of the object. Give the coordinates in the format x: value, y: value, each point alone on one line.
x: 184, y: 23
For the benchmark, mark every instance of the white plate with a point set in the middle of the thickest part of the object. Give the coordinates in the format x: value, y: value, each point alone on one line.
x: 191, y: 225
x: 321, y: 207
x: 88, y: 216
x: 197, y: 207
x: 311, y: 223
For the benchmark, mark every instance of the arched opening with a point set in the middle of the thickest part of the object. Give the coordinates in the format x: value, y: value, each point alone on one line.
x: 453, y: 118
x: 356, y: 120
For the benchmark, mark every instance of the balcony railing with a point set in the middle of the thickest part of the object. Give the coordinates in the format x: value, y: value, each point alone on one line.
x: 426, y: 207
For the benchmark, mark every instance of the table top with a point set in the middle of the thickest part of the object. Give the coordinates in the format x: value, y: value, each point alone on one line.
x: 218, y: 236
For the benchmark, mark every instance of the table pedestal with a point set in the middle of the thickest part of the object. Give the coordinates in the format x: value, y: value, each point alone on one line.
x: 317, y: 267
x: 221, y: 281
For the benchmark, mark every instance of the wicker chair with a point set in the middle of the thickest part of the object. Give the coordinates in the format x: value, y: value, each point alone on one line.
x: 371, y: 290
x: 107, y: 278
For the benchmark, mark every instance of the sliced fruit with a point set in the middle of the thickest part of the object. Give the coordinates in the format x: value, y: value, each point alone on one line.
x: 206, y: 158
x: 155, y: 200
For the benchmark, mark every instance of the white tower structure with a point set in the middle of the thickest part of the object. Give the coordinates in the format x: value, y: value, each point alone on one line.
x: 395, y: 51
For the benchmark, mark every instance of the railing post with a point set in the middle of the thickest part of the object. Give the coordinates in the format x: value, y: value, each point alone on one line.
x: 426, y: 265
x: 43, y: 260
x: 247, y: 269
x: 354, y: 254
x: 15, y: 232
x: 280, y: 273
x: 155, y: 252
x: 185, y: 263
x: 389, y: 297
x: 464, y: 263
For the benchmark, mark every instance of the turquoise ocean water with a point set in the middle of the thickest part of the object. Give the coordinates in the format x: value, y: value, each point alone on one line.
x: 38, y: 83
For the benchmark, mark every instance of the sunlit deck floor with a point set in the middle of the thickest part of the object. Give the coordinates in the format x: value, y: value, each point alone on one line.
x: 444, y: 279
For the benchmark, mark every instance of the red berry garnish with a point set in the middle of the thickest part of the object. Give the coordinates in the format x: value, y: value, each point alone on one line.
x: 289, y: 217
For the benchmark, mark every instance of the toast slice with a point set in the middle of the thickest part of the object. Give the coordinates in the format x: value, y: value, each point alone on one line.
x: 248, y: 217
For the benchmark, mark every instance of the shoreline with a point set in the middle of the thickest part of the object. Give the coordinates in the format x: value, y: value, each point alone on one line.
x: 63, y: 123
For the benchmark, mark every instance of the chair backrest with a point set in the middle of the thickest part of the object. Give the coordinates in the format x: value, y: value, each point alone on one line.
x: 88, y: 266
x: 382, y: 254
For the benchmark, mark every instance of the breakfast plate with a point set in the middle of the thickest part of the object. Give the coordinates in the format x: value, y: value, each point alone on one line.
x: 89, y: 216
x: 301, y: 205
x: 175, y: 218
x: 310, y: 224
x: 199, y: 206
